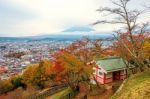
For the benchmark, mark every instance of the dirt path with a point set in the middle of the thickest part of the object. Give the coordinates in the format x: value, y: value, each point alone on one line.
x: 106, y: 95
x: 3, y: 97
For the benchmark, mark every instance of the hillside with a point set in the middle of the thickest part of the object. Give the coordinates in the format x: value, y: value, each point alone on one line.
x: 136, y: 87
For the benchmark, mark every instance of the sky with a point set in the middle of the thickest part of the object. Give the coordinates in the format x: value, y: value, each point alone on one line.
x: 36, y: 17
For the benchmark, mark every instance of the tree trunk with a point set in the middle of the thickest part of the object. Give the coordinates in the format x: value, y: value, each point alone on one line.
x: 96, y: 82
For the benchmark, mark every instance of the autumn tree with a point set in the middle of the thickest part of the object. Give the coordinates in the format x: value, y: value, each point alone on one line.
x: 70, y: 69
x: 128, y: 44
x: 37, y: 74
x: 29, y: 73
x: 86, y: 50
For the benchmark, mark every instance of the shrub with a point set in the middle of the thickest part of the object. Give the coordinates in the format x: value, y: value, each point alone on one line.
x: 17, y: 82
x: 5, y: 86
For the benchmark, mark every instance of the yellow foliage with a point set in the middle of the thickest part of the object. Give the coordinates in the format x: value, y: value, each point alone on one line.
x: 29, y: 73
x: 6, y: 86
x: 47, y: 65
x: 37, y: 73
x: 146, y: 48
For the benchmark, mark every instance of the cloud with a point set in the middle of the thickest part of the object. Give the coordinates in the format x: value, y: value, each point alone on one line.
x: 11, y: 13
x: 31, y: 17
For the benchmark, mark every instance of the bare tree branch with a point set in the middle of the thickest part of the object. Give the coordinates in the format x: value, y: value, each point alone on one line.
x: 128, y: 18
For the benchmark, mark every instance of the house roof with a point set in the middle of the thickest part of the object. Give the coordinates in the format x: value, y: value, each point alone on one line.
x: 112, y: 64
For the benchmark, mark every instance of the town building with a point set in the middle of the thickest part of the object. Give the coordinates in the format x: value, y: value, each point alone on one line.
x: 3, y: 69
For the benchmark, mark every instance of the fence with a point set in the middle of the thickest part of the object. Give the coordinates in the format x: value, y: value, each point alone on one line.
x: 70, y: 95
x: 54, y: 90
x: 48, y: 92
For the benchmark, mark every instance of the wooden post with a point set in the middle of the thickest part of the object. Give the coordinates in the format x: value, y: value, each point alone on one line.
x: 104, y: 78
x: 96, y: 72
x: 119, y: 75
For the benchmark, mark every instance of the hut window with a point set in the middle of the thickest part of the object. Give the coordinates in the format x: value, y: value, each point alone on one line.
x: 100, y: 73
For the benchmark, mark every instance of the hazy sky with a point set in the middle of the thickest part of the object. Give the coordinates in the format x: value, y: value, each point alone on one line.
x: 33, y: 17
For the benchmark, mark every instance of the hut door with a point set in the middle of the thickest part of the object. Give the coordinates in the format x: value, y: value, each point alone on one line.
x: 116, y: 75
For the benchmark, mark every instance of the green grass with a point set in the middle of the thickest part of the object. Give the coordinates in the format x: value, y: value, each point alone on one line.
x: 136, y: 87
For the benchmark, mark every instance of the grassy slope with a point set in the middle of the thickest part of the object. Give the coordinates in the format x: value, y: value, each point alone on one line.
x: 136, y: 87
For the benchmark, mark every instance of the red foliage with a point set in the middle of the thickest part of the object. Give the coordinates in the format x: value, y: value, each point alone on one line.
x: 58, y: 67
x: 58, y: 78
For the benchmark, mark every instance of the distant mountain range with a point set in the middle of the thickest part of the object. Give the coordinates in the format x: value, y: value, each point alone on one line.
x: 56, y: 37
x: 73, y: 33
